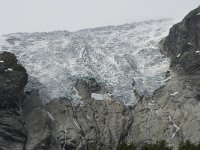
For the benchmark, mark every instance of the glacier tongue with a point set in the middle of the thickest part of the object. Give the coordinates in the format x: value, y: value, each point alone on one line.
x: 124, y: 57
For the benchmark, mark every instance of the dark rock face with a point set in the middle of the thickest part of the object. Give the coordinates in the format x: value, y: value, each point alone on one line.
x: 183, y: 43
x: 12, y: 83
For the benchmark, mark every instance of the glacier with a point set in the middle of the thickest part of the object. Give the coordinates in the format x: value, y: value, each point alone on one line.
x: 124, y: 58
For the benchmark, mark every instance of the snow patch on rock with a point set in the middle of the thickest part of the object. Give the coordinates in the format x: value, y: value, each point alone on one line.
x: 97, y: 96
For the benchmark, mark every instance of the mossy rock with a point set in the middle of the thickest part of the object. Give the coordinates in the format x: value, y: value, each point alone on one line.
x: 124, y: 146
x: 189, y: 146
x: 160, y: 145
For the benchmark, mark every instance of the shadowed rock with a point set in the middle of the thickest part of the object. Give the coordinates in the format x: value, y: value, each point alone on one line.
x: 183, y: 43
x: 12, y: 83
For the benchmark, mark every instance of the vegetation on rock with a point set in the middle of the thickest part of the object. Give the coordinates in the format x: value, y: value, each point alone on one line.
x: 160, y: 145
x: 124, y: 146
x: 189, y: 146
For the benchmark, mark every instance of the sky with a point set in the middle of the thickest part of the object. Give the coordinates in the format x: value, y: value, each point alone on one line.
x: 72, y: 15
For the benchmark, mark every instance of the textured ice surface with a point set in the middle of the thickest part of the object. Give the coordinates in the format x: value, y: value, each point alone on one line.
x: 124, y: 57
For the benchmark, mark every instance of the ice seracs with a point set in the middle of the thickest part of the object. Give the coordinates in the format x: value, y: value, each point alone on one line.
x: 114, y: 55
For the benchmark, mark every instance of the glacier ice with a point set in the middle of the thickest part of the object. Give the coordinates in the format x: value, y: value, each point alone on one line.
x: 124, y: 58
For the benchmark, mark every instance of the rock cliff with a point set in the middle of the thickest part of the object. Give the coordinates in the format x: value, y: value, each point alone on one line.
x: 173, y: 111
x: 99, y: 121
x: 13, y: 79
x: 182, y: 43
x: 92, y: 124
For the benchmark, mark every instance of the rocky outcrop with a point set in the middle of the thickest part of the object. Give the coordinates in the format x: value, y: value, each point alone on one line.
x: 93, y: 124
x: 13, y: 78
x: 173, y: 111
x: 182, y: 44
x: 38, y: 124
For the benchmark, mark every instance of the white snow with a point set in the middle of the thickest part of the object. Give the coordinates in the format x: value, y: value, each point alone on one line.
x: 157, y: 111
x: 65, y: 136
x: 150, y: 104
x: 197, y: 52
x: 198, y: 14
x: 88, y: 117
x: 107, y: 96
x: 173, y: 94
x: 1, y: 61
x: 174, y: 124
x: 169, y: 118
x: 9, y: 69
x: 50, y: 116
x: 178, y: 55
x: 76, y: 124
x: 97, y: 96
x: 80, y: 103
x: 189, y: 43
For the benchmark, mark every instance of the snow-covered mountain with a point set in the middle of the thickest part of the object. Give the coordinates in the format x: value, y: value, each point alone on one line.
x: 124, y: 58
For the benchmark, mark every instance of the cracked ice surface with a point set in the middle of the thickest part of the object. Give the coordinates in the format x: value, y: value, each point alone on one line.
x: 115, y: 55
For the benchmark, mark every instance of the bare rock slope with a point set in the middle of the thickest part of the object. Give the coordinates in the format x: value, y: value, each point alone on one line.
x: 94, y: 124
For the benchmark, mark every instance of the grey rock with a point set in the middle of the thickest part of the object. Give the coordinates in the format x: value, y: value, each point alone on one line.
x: 182, y: 43
x: 61, y: 124
x: 12, y: 83
x: 92, y: 125
x: 38, y: 124
x: 173, y: 111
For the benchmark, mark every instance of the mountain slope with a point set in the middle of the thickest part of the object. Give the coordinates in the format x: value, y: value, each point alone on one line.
x: 172, y: 113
